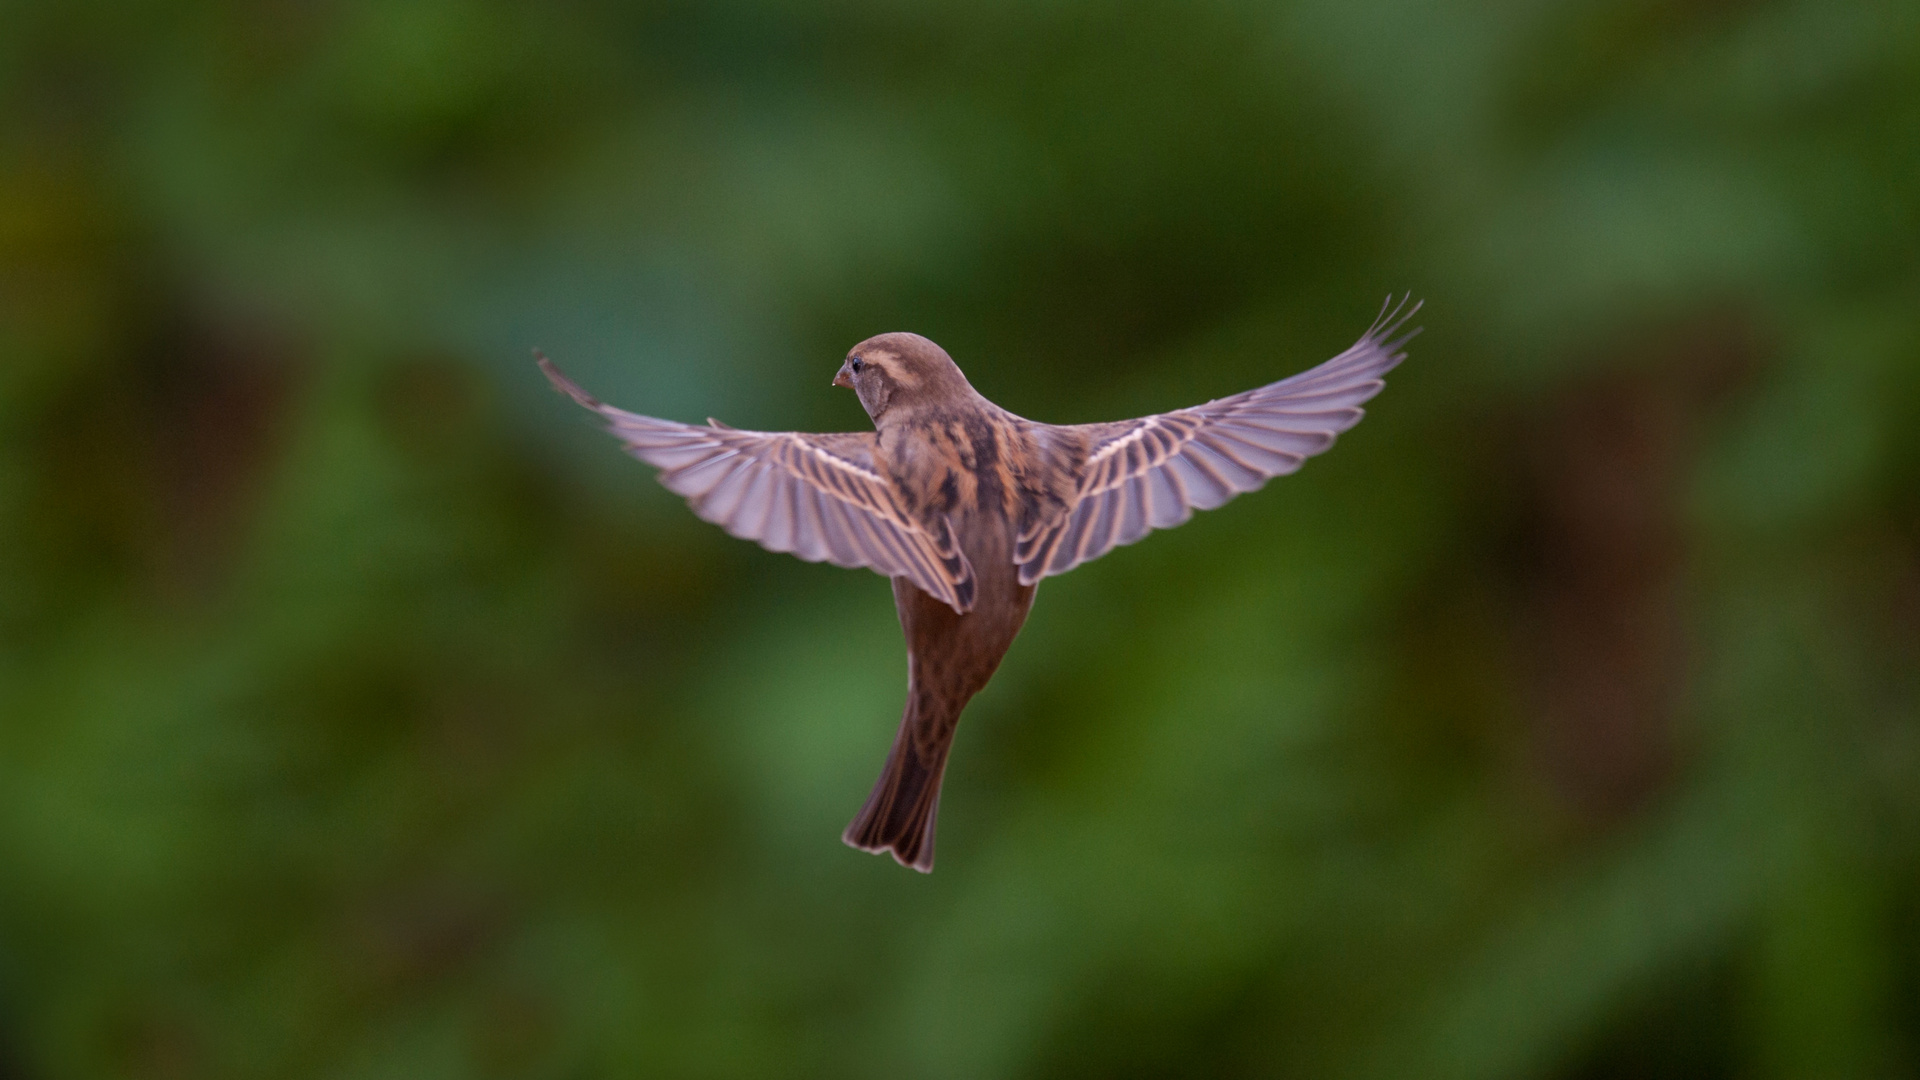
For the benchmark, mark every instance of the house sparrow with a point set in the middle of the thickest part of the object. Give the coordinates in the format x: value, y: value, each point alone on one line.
x: 967, y: 506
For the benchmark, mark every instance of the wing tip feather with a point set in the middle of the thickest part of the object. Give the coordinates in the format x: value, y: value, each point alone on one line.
x: 1392, y: 317
x: 564, y: 384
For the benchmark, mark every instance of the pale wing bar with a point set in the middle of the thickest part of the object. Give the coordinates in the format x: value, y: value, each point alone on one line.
x: 1154, y: 472
x: 815, y: 496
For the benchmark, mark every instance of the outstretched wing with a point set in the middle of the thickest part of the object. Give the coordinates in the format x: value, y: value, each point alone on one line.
x: 1154, y: 472
x: 816, y: 496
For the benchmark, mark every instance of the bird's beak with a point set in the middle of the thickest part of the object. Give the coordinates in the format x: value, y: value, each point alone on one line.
x: 843, y: 377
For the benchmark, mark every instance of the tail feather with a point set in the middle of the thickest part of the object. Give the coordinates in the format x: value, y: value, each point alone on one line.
x: 900, y: 814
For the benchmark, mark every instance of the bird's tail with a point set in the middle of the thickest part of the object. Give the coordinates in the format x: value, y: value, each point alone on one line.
x: 900, y: 814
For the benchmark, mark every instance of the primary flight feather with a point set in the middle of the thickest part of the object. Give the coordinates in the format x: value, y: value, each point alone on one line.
x: 966, y: 506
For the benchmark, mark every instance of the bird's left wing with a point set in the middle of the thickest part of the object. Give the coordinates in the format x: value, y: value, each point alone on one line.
x: 1154, y: 472
x: 817, y: 496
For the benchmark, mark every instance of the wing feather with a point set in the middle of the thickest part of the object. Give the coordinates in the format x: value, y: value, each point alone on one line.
x: 1070, y: 543
x: 820, y: 497
x: 1105, y: 521
x: 842, y: 540
x: 1171, y: 506
x: 1154, y: 472
x: 808, y: 542
x: 716, y: 491
x: 776, y: 532
x: 1134, y: 509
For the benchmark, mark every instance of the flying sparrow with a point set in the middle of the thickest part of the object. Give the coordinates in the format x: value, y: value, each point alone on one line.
x: 967, y: 506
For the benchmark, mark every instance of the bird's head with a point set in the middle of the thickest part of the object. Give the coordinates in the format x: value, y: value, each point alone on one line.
x: 894, y: 372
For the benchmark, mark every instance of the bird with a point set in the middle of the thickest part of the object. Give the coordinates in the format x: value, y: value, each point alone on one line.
x: 966, y: 507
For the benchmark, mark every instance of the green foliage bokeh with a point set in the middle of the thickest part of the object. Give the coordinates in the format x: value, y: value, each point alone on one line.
x: 364, y: 713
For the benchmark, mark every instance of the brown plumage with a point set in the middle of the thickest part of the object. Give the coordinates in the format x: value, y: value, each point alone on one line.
x: 967, y: 506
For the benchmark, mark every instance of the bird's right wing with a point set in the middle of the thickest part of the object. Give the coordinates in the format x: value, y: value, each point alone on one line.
x: 1154, y: 472
x: 817, y: 496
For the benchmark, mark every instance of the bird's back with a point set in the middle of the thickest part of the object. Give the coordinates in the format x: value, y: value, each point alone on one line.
x: 969, y: 464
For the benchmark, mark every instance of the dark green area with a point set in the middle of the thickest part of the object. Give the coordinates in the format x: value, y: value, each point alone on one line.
x: 363, y: 713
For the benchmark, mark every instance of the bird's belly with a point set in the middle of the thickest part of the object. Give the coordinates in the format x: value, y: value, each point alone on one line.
x: 953, y: 655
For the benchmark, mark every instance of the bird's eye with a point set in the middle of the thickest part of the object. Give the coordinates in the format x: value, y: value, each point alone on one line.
x: 856, y: 363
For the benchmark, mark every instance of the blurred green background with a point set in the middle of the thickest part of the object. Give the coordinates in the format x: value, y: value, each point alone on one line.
x: 364, y: 713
